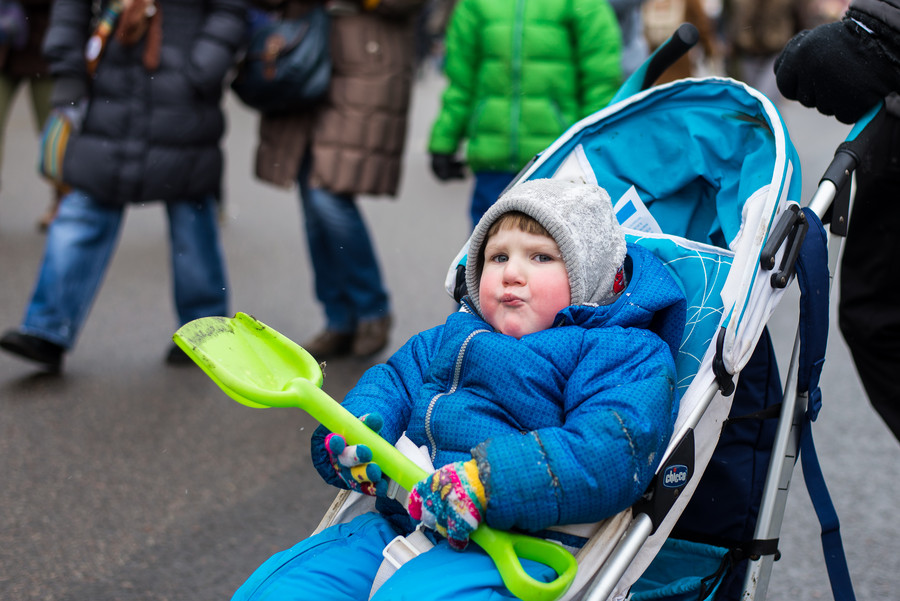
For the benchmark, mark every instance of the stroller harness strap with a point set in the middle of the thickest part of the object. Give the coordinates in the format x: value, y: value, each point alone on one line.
x: 398, y: 552
x: 813, y: 278
x: 403, y: 548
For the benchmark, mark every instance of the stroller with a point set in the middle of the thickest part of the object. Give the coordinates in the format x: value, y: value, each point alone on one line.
x: 715, y: 198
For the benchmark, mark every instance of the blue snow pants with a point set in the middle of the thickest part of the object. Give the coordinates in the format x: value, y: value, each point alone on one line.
x: 340, y: 563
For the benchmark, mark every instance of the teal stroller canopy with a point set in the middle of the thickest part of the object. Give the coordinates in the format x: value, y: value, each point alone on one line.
x: 694, y: 151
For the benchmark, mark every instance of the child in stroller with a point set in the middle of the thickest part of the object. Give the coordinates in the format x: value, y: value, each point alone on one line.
x: 548, y: 399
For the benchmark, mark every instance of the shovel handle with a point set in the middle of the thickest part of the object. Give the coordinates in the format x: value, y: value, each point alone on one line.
x: 507, y: 549
x: 259, y: 367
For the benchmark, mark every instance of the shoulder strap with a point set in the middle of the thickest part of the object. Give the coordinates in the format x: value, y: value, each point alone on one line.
x: 97, y: 42
x: 813, y: 277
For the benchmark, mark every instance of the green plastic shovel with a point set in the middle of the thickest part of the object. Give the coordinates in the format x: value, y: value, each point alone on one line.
x: 259, y: 367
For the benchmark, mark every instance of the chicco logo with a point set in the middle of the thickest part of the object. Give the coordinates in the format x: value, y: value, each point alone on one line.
x: 675, y: 476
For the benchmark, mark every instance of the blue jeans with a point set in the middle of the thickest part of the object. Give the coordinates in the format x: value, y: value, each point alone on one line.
x: 346, y: 274
x: 80, y: 244
x: 488, y: 186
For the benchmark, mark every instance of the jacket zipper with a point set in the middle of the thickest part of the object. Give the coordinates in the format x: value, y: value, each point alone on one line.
x: 560, y: 118
x: 457, y: 371
x: 516, y: 99
x: 476, y: 117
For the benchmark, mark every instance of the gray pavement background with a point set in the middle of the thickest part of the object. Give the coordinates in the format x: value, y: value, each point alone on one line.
x: 125, y: 479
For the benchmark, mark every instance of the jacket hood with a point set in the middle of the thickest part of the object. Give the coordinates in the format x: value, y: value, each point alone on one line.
x: 652, y: 300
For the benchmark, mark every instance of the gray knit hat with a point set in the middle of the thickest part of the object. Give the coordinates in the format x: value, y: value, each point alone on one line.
x: 580, y: 219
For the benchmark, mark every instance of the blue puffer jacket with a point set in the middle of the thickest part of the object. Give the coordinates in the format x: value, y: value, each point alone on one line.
x: 568, y: 424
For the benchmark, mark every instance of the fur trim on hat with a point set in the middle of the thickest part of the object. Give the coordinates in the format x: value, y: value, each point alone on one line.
x: 580, y: 219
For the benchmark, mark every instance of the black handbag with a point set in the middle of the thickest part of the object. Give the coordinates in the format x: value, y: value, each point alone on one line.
x: 287, y: 65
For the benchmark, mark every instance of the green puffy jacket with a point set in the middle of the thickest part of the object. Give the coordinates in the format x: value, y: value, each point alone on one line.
x: 520, y: 72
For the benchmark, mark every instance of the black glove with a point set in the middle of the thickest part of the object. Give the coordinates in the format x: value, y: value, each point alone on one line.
x: 841, y: 68
x: 446, y: 167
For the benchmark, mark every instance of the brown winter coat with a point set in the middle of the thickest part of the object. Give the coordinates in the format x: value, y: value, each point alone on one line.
x: 357, y: 133
x: 763, y: 27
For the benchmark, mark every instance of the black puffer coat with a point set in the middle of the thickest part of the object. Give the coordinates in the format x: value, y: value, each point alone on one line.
x: 147, y: 135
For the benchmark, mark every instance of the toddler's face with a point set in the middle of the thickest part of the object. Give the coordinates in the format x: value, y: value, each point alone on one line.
x: 524, y: 282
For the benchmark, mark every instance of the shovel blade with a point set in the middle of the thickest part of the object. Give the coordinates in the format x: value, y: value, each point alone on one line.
x: 250, y: 361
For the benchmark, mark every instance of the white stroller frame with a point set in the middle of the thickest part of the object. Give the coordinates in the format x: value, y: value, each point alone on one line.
x: 704, y: 407
x: 621, y: 547
x: 637, y: 546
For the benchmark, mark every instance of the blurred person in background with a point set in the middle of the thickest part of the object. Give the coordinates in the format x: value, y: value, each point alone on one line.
x: 349, y: 144
x: 518, y: 75
x: 146, y: 126
x: 635, y: 48
x: 21, y: 62
x: 844, y: 69
x: 756, y: 32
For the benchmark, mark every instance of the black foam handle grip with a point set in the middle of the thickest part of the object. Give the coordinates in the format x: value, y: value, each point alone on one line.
x: 681, y: 41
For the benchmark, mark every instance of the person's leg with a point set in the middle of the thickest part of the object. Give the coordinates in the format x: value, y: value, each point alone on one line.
x: 198, y: 268
x: 338, y: 564
x: 339, y: 315
x: 8, y: 87
x: 488, y: 187
x: 40, y: 89
x: 442, y: 574
x: 869, y: 309
x: 346, y: 274
x: 80, y: 243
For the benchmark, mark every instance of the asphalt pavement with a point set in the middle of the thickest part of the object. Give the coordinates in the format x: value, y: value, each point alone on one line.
x: 124, y: 479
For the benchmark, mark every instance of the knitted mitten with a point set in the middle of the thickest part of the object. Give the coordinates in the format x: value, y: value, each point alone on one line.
x: 353, y: 463
x: 451, y: 501
x: 843, y: 68
x: 62, y: 122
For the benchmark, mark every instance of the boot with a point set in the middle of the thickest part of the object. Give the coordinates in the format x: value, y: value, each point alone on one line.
x: 329, y: 345
x: 371, y: 336
x: 32, y: 348
x: 49, y: 215
x: 47, y: 218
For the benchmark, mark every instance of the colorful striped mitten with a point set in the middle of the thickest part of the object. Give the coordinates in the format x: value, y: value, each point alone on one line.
x: 451, y: 501
x: 63, y: 122
x: 353, y: 463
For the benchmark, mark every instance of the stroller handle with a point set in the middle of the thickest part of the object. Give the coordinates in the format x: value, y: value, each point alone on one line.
x: 850, y: 152
x: 831, y: 202
x: 860, y: 126
x: 679, y: 43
